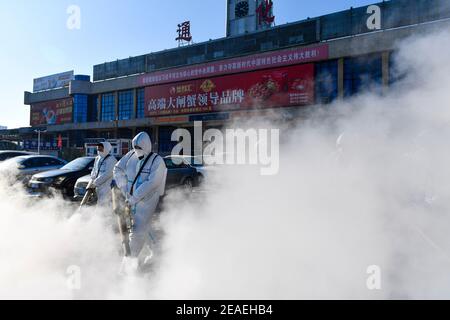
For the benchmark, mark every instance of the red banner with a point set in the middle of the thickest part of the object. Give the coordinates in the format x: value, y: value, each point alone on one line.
x: 282, y: 87
x: 228, y: 66
x: 52, y: 112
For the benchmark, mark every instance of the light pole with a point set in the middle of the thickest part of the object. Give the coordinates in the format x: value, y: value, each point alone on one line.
x: 39, y: 139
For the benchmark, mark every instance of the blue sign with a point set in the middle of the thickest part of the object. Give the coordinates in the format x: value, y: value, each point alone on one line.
x: 45, y: 145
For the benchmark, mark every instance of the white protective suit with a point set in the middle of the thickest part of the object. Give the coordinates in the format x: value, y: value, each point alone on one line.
x: 102, y: 175
x: 143, y: 197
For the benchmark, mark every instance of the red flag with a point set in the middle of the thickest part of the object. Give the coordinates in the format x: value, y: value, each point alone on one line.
x: 60, y: 142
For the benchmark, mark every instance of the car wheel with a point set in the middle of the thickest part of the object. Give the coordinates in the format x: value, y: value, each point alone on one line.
x: 201, y: 179
x: 68, y: 190
x: 188, y: 184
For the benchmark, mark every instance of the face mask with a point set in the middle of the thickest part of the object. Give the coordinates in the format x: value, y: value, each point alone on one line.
x: 103, y: 154
x: 139, y: 153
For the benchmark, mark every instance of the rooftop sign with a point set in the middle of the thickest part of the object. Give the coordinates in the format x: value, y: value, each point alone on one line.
x: 55, y: 81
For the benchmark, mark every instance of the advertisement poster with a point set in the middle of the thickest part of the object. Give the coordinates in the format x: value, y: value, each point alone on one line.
x: 59, y: 80
x: 52, y: 112
x: 281, y: 87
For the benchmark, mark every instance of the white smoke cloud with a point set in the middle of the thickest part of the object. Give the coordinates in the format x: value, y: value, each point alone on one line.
x: 377, y: 197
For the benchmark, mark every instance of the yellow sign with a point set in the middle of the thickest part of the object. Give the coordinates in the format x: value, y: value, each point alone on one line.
x: 207, y: 86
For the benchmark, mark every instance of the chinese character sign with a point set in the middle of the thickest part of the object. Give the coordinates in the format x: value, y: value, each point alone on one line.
x: 236, y: 65
x: 264, y: 12
x: 289, y: 86
x: 184, y: 32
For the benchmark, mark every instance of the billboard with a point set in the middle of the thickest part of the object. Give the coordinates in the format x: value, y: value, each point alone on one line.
x: 236, y: 65
x: 52, y: 112
x: 281, y: 87
x: 52, y: 82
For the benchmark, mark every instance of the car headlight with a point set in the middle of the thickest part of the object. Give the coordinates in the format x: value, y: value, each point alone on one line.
x: 59, y: 180
x: 44, y: 180
x: 81, y: 185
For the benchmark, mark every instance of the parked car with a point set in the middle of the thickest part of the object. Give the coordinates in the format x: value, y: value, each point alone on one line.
x: 8, y: 154
x: 183, y: 175
x: 63, y: 179
x: 33, y: 164
x: 198, y: 163
x: 8, y: 145
x: 80, y: 187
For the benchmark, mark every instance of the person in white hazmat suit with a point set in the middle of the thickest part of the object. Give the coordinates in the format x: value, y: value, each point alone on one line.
x: 102, y: 173
x: 141, y: 177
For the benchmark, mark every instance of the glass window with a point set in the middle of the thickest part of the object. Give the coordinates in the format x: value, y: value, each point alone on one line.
x: 36, y: 162
x: 336, y: 25
x: 170, y: 164
x: 165, y: 142
x: 79, y: 164
x: 395, y: 74
x: 50, y: 162
x: 126, y: 104
x: 361, y: 73
x: 140, y: 113
x: 54, y: 162
x: 93, y: 109
x: 326, y: 81
x: 27, y: 163
x: 80, y: 108
x: 108, y: 106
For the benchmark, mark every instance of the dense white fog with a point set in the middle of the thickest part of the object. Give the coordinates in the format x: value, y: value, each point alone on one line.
x: 362, y: 182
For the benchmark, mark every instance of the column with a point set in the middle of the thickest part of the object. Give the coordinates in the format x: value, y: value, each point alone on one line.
x: 116, y: 115
x: 341, y: 78
x: 156, y: 138
x: 116, y: 106
x: 385, y: 68
x: 134, y: 104
x: 99, y: 108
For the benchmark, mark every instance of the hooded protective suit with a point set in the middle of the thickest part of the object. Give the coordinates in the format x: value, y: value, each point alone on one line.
x: 141, y: 176
x: 102, y: 174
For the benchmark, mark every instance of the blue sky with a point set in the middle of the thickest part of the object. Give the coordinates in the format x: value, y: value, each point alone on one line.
x: 36, y: 41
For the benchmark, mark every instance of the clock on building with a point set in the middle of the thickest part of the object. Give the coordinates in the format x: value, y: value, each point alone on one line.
x: 242, y: 9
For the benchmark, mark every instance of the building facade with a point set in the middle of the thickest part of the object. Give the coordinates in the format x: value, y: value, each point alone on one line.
x: 287, y: 69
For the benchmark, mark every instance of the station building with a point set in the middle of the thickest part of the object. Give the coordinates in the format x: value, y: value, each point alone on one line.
x: 257, y: 68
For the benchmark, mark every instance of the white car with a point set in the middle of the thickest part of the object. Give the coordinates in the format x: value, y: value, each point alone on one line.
x: 26, y: 166
x: 80, y: 187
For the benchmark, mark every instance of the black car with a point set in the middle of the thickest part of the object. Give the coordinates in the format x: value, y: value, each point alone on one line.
x: 63, y: 179
x: 180, y: 173
x: 9, y: 154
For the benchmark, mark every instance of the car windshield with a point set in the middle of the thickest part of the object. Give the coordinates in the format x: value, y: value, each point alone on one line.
x: 77, y: 164
x: 195, y: 161
x: 18, y: 160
